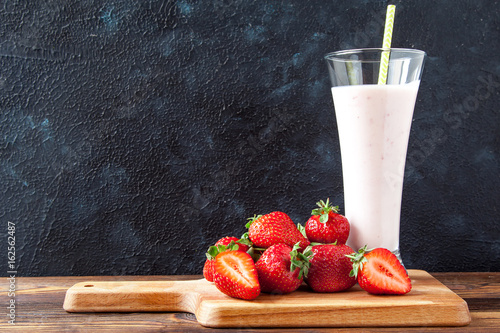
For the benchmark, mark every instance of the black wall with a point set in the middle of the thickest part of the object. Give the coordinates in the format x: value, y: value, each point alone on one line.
x: 134, y: 134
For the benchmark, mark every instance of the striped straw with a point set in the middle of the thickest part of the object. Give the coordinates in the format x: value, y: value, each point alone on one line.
x: 351, y: 74
x: 384, y: 59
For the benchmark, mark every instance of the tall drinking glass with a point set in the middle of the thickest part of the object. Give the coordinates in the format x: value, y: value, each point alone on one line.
x: 374, y: 123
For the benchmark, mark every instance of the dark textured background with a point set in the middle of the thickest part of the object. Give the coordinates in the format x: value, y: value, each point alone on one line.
x: 134, y: 134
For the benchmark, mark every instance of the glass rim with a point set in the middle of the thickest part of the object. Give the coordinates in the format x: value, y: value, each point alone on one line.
x: 338, y: 55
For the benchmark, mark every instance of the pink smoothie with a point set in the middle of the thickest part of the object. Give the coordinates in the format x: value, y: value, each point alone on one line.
x: 374, y: 125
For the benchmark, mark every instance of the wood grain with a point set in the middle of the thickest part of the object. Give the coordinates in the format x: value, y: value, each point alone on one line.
x: 40, y: 308
x: 430, y: 303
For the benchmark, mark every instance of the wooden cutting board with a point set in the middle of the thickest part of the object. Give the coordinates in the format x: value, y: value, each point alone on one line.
x: 430, y: 303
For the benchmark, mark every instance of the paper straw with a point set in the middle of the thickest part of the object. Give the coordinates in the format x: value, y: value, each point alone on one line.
x: 351, y: 73
x: 384, y: 59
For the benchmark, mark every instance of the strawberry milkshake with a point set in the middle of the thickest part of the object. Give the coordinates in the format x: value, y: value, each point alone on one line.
x: 374, y: 126
x: 374, y: 120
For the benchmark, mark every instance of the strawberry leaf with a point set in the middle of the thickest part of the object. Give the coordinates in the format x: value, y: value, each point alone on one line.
x: 251, y: 220
x: 302, y: 230
x: 232, y: 246
x: 245, y: 240
x: 324, y: 209
x: 358, y: 259
x: 255, y: 253
x: 212, y: 252
x: 300, y: 260
x: 316, y: 243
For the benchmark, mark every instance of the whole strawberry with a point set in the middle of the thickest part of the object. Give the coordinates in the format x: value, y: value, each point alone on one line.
x: 281, y: 268
x: 326, y: 225
x: 380, y: 272
x: 214, y: 250
x: 235, y: 275
x: 275, y: 228
x: 330, y: 268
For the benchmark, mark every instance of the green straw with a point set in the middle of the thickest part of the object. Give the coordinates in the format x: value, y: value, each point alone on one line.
x: 384, y: 59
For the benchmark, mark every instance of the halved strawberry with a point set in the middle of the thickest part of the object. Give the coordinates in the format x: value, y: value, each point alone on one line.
x: 241, y: 245
x: 235, y: 275
x: 380, y: 272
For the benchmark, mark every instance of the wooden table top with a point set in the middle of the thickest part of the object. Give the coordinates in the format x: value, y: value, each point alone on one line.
x: 39, y: 300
